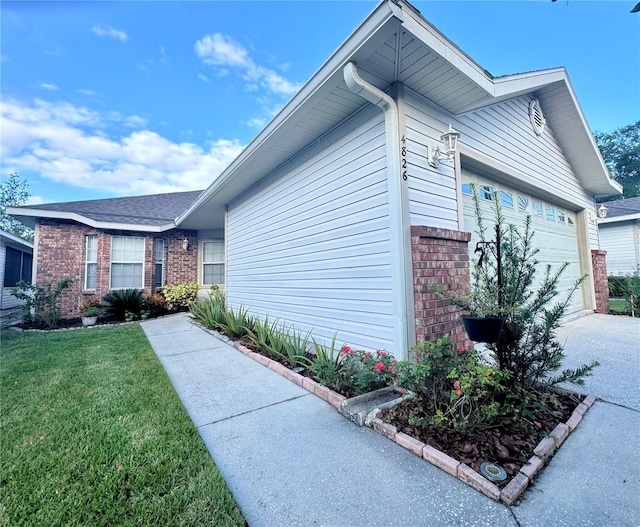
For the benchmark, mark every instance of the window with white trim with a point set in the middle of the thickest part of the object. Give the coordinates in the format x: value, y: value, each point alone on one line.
x: 506, y: 199
x: 91, y: 262
x: 551, y: 214
x: 213, y: 263
x: 523, y: 203
x: 486, y: 192
x: 158, y: 280
x: 466, y: 189
x: 127, y: 262
x: 561, y: 216
x: 537, y: 208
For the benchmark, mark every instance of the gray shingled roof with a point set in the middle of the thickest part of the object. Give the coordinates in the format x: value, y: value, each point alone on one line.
x: 154, y: 210
x: 622, y: 207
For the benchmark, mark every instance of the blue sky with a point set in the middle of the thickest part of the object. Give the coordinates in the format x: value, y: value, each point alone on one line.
x: 103, y: 99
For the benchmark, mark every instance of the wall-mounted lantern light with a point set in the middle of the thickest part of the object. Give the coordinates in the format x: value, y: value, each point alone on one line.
x: 450, y: 143
x: 602, y: 212
x: 185, y: 244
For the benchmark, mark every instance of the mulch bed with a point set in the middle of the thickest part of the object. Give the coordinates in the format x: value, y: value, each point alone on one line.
x: 509, y: 443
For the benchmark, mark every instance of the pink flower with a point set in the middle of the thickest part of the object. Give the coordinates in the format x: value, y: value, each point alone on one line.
x: 458, y: 393
x: 394, y: 361
x: 389, y: 368
x: 462, y: 350
x: 402, y: 391
x: 345, y: 350
x: 367, y: 355
x: 379, y: 366
x: 489, y: 377
x: 382, y: 353
x: 456, y: 384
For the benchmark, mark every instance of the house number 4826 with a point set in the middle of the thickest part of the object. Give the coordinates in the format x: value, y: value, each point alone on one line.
x: 403, y: 158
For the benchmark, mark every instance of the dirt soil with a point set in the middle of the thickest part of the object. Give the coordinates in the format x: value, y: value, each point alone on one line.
x: 510, y: 443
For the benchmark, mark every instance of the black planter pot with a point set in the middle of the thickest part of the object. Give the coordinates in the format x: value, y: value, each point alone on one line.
x: 483, y: 329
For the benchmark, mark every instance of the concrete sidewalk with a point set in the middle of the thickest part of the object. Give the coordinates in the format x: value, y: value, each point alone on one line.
x: 291, y: 460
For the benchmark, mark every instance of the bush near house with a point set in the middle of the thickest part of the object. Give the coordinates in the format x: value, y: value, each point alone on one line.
x: 627, y: 289
x: 42, y: 301
x: 181, y: 295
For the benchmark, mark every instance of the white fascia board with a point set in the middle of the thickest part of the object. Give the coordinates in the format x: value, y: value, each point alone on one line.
x: 616, y: 219
x: 25, y: 214
x: 331, y: 68
x: 7, y: 236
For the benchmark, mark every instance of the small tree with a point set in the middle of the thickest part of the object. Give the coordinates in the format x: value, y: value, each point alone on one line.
x: 527, y: 348
x: 43, y: 300
x: 14, y: 192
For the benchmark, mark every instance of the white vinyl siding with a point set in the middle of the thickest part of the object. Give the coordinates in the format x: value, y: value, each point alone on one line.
x: 91, y: 262
x: 311, y: 244
x: 127, y: 262
x: 502, y: 132
x: 556, y: 241
x: 621, y: 240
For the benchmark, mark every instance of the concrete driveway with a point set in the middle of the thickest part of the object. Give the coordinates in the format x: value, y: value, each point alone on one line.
x: 594, y: 479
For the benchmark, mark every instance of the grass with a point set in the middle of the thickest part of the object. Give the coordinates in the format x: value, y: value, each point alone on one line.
x: 94, y: 434
x: 619, y: 306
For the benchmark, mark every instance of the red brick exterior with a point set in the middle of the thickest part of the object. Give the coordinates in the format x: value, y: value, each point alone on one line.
x: 440, y: 256
x: 61, y: 249
x: 600, y: 282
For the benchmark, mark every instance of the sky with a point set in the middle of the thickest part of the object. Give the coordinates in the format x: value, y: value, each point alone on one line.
x: 108, y: 99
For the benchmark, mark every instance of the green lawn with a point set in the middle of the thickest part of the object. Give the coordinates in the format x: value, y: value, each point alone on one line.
x: 94, y: 434
x: 619, y: 306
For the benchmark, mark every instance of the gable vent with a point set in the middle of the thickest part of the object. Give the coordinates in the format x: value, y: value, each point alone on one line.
x: 537, y: 119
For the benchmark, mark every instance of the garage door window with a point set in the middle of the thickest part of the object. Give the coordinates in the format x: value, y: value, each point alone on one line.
x: 486, y: 192
x: 523, y: 203
x: 551, y: 214
x: 506, y: 199
x: 561, y: 216
x: 537, y: 208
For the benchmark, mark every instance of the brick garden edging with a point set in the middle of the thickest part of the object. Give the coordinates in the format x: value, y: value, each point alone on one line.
x: 507, y: 495
x: 518, y: 484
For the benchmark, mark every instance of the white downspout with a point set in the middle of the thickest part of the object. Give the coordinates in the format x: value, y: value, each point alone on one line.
x: 399, y: 232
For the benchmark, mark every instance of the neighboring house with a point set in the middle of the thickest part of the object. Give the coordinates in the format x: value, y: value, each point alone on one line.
x: 620, y: 235
x: 334, y: 219
x: 16, y: 258
x: 116, y: 243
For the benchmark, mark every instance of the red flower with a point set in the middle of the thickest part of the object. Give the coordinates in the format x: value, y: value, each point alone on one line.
x: 458, y: 393
x: 489, y: 377
x: 402, y: 391
x: 430, y: 355
x: 390, y: 368
x: 456, y: 384
x: 379, y: 366
x: 367, y: 355
x: 345, y: 350
x: 462, y: 350
x: 394, y: 361
x: 382, y: 353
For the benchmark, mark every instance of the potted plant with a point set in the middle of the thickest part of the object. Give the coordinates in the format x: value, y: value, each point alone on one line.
x: 90, y: 310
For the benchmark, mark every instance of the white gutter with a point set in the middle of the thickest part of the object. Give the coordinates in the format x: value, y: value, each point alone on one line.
x: 399, y: 231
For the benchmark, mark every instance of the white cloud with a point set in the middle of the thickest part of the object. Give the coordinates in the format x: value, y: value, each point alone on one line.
x: 203, y: 78
x: 222, y: 51
x: 35, y: 200
x: 71, y: 145
x: 47, y: 86
x: 109, y: 32
x: 87, y: 92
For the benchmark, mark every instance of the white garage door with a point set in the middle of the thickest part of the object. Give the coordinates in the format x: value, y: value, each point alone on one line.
x: 554, y: 227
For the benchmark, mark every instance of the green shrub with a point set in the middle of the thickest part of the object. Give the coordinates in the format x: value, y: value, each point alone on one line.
x: 327, y: 365
x: 365, y: 371
x: 236, y: 324
x: 453, y: 388
x: 626, y: 287
x: 122, y: 301
x: 180, y: 295
x: 209, y: 312
x: 43, y: 299
x: 528, y: 348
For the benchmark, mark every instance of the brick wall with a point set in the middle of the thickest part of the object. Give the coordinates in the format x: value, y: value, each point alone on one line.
x: 440, y: 256
x: 62, y: 249
x: 600, y: 282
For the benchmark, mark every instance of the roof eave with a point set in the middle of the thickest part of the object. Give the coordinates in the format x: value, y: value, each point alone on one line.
x: 381, y: 15
x: 616, y: 219
x: 7, y: 236
x: 30, y: 216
